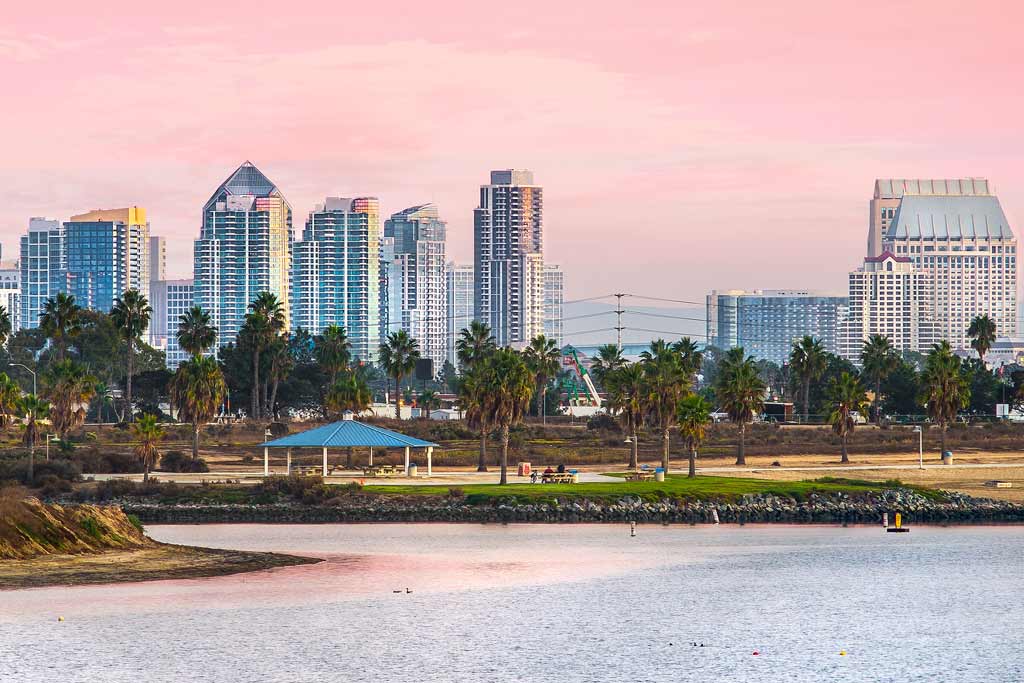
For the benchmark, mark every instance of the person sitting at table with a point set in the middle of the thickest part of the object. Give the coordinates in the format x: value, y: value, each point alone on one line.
x: 561, y: 468
x: 549, y: 470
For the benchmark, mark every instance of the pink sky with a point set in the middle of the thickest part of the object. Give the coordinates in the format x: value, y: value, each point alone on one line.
x: 682, y: 146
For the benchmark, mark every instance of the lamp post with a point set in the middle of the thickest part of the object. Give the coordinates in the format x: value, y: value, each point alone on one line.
x: 920, y: 446
x: 32, y: 372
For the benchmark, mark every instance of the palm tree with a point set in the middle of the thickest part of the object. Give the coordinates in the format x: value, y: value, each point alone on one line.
x: 607, y: 360
x: 428, y: 401
x: 983, y: 334
x: 508, y: 384
x: 5, y: 326
x: 10, y: 399
x: 808, y: 361
x: 689, y: 355
x: 196, y: 335
x: 474, y: 345
x: 263, y: 323
x: 627, y: 396
x: 543, y: 358
x: 666, y: 381
x: 35, y: 411
x: 149, y: 434
x: 945, y: 386
x: 349, y: 392
x: 70, y: 388
x: 848, y: 397
x: 740, y: 392
x: 60, y: 321
x: 472, y: 394
x: 130, y: 314
x: 281, y: 365
x: 197, y: 390
x: 879, y: 360
x: 398, y: 356
x: 333, y: 351
x: 693, y: 414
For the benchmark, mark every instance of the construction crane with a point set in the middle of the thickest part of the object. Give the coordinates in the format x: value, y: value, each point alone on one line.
x: 595, y: 399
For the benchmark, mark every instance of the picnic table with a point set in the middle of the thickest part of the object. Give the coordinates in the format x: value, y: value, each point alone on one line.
x: 382, y: 471
x: 307, y: 469
x: 640, y: 475
x: 558, y: 478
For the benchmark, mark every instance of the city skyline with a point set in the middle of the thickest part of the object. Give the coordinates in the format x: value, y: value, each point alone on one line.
x: 714, y: 129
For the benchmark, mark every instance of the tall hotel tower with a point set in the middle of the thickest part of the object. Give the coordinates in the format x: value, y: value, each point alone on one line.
x: 244, y: 248
x: 107, y: 254
x: 336, y: 274
x: 509, y: 257
x: 43, y: 263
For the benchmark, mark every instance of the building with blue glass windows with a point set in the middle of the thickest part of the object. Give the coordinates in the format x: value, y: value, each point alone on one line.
x: 107, y: 254
x: 43, y: 264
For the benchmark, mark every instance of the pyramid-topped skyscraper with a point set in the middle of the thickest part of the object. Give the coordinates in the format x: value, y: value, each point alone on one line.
x: 244, y: 248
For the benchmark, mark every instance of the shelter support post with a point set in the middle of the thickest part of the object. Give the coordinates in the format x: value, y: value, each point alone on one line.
x: 288, y: 461
x: 407, y: 461
x: 371, y: 456
x: 266, y: 461
x: 430, y: 453
x: 325, y: 461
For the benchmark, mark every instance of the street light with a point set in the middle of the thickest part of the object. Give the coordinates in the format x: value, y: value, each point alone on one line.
x: 33, y: 373
x: 920, y: 446
x: 49, y: 438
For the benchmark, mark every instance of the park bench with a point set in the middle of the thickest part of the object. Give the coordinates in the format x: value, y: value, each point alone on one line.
x: 558, y: 478
x: 381, y: 471
x: 640, y: 475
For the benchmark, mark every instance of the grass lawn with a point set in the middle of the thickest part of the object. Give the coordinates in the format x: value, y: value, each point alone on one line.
x: 674, y: 486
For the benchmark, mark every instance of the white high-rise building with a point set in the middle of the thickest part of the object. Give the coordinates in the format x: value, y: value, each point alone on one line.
x: 554, y: 295
x: 416, y: 295
x: 509, y: 257
x: 890, y: 297
x: 460, y: 289
x: 10, y: 293
x: 960, y: 240
x: 170, y: 300
x: 43, y: 261
x: 157, y: 258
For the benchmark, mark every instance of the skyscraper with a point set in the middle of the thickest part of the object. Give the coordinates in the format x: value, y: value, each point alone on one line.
x: 244, y: 248
x: 107, y: 253
x: 554, y: 294
x: 43, y: 264
x: 10, y: 293
x: 417, y: 288
x: 956, y: 235
x: 460, y: 286
x: 509, y: 257
x: 157, y: 258
x: 170, y: 300
x: 336, y: 275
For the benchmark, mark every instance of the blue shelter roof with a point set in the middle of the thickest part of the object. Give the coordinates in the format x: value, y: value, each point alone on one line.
x: 347, y: 433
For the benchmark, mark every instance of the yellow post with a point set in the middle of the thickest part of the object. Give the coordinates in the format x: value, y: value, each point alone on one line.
x: 899, y: 520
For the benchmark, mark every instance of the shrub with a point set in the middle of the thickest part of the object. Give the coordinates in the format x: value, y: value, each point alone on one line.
x: 51, y: 486
x: 92, y: 527
x: 137, y: 523
x: 59, y: 468
x: 456, y: 492
x: 602, y: 422
x: 177, y: 461
x: 278, y: 429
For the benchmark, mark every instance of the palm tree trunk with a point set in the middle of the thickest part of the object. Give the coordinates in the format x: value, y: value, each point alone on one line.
x: 544, y: 404
x: 273, y: 397
x: 943, y: 440
x: 664, y: 450
x: 256, y: 384
x: 741, y: 451
x: 481, y: 465
x: 32, y: 461
x: 145, y: 469
x: 846, y: 455
x: 634, y: 452
x: 398, y: 397
x: 195, y: 441
x: 878, y: 406
x: 504, y: 456
x: 128, y: 382
x: 693, y: 464
x: 807, y: 398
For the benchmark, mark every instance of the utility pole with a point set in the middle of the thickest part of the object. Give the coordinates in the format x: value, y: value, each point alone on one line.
x: 618, y: 320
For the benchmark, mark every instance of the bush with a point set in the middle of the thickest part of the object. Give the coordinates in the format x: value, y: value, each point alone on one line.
x: 456, y: 492
x: 602, y: 422
x: 59, y: 468
x: 177, y: 461
x: 137, y: 523
x: 114, y: 488
x: 51, y: 486
x: 91, y: 459
x: 278, y: 429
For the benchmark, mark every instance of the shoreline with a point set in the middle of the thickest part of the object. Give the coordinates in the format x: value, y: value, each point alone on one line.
x: 159, y: 561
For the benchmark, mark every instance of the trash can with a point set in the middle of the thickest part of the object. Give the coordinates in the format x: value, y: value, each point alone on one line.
x: 947, y: 458
x: 412, y: 469
x: 659, y: 474
x: 524, y: 469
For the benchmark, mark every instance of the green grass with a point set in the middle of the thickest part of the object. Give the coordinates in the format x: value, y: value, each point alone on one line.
x: 674, y: 486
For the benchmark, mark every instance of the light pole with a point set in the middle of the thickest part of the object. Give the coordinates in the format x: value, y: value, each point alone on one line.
x: 32, y: 372
x: 920, y: 446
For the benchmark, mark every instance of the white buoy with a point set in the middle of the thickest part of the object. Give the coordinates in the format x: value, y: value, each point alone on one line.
x: 714, y: 513
x: 885, y: 519
x: 632, y: 529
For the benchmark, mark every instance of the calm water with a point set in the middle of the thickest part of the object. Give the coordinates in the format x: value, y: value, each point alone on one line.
x: 547, y: 603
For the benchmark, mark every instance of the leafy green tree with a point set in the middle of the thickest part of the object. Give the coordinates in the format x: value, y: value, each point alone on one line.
x: 982, y: 332
x: 945, y: 387
x: 333, y: 351
x: 986, y: 388
x: 543, y: 358
x: 70, y: 389
x: 627, y: 398
x: 398, y: 356
x: 148, y: 436
x: 35, y: 410
x: 848, y: 398
x: 197, y: 390
x: 667, y: 381
x: 61, y: 321
x: 196, y: 333
x: 740, y: 392
x: 10, y: 399
x: 475, y: 343
x: 693, y: 415
x: 349, y: 392
x: 808, y: 362
x: 879, y: 360
x: 508, y: 388
x: 131, y: 314
x: 5, y: 326
x: 902, y: 390
x: 608, y: 359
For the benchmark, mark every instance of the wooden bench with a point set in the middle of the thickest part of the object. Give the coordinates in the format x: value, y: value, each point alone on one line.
x: 640, y: 475
x: 307, y: 470
x: 558, y: 478
x: 382, y: 471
